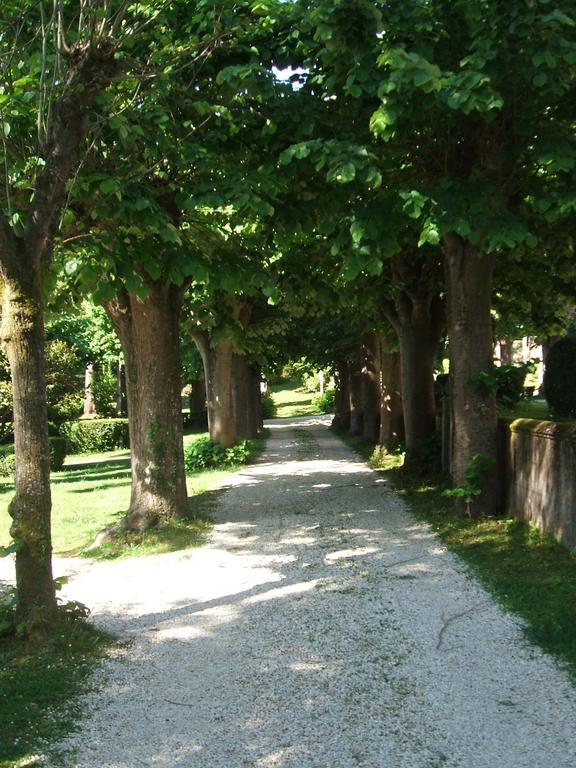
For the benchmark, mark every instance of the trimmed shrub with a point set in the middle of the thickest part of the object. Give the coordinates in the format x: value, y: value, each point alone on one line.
x: 95, y: 435
x: 268, y: 406
x: 205, y: 454
x: 324, y: 403
x: 58, y: 451
x: 560, y: 378
x: 57, y: 456
x: 7, y: 462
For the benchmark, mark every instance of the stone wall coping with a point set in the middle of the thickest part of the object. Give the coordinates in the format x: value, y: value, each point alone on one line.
x: 550, y: 430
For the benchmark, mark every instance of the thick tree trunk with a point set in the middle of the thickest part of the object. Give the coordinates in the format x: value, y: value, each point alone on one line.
x: 417, y: 357
x: 356, y: 403
x: 418, y: 317
x: 245, y: 413
x: 217, y: 363
x: 197, y: 398
x: 149, y: 333
x: 23, y: 336
x: 473, y: 406
x: 371, y: 387
x: 391, y: 413
x: 342, y: 397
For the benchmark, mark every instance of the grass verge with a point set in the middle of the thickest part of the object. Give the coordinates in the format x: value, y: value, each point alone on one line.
x: 39, y: 690
x: 529, y: 574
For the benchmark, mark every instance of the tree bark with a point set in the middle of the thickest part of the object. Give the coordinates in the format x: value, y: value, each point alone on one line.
x: 89, y: 404
x: 30, y: 509
x: 342, y: 397
x: 371, y: 391
x: 391, y: 412
x: 149, y: 333
x: 256, y: 414
x: 245, y: 410
x: 356, y: 404
x: 473, y: 406
x: 217, y: 361
x: 418, y: 316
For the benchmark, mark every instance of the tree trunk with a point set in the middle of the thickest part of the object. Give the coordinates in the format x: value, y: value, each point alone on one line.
x: 217, y: 363
x: 417, y: 357
x: 197, y: 398
x: 245, y: 413
x: 506, y: 352
x: 89, y: 404
x: 149, y: 333
x: 473, y: 406
x: 391, y: 413
x: 342, y: 397
x: 418, y: 317
x: 23, y: 337
x: 356, y: 404
x: 371, y: 388
x: 121, y: 398
x: 255, y: 412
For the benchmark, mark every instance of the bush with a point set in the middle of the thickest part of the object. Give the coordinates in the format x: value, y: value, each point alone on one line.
x: 203, y: 453
x: 7, y: 462
x: 268, y: 406
x: 57, y: 456
x: 58, y: 451
x: 560, y: 378
x: 324, y: 403
x: 510, y: 383
x: 95, y: 435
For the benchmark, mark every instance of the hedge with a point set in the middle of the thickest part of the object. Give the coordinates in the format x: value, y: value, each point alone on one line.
x: 95, y: 435
x: 57, y: 456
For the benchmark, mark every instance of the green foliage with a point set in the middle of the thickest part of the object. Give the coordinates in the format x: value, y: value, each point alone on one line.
x: 104, y: 390
x: 510, y: 383
x: 7, y: 461
x: 206, y: 454
x: 96, y: 435
x: 478, y: 465
x: 58, y: 450
x: 268, y: 406
x: 560, y: 378
x: 324, y: 403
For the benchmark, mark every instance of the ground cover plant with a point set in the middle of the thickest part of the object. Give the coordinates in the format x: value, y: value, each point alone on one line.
x: 529, y: 574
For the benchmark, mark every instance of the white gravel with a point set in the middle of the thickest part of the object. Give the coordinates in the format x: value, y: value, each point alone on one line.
x: 320, y: 627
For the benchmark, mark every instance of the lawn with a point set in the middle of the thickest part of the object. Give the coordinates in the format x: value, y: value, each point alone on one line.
x: 292, y: 401
x: 93, y: 491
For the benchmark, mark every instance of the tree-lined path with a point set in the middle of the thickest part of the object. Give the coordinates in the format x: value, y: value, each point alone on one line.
x: 321, y: 625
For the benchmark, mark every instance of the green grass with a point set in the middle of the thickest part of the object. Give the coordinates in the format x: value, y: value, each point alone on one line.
x: 93, y: 492
x: 528, y: 409
x: 292, y: 402
x: 529, y: 574
x: 39, y: 689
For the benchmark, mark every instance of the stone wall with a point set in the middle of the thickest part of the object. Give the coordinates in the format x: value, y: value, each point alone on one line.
x: 541, y: 476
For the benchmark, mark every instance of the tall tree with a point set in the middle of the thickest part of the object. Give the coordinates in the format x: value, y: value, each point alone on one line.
x: 51, y: 84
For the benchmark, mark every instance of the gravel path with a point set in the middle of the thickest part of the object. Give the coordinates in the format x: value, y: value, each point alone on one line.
x: 320, y: 627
